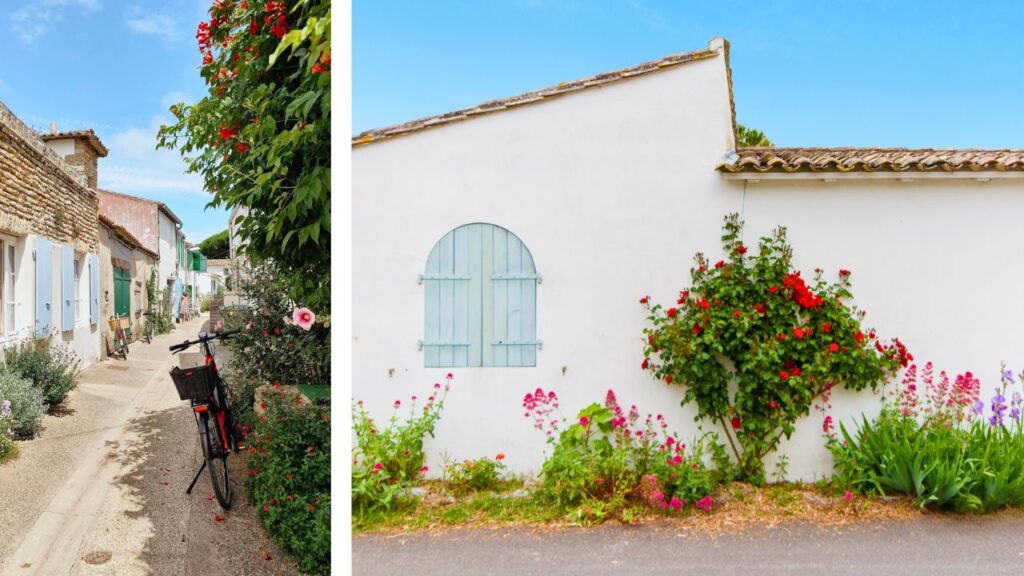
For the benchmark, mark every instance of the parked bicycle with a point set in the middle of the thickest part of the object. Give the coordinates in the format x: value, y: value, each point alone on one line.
x: 204, y: 388
x: 120, y: 325
x: 147, y: 325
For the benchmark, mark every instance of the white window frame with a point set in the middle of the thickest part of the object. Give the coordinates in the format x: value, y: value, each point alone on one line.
x: 9, y: 292
x: 79, y: 268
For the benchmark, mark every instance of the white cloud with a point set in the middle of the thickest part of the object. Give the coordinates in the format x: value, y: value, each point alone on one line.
x: 35, y: 18
x: 135, y: 166
x: 164, y: 26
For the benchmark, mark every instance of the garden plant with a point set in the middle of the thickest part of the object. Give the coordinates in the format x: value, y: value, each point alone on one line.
x: 7, y: 448
x: 948, y: 448
x: 755, y: 345
x: 476, y: 475
x: 608, y: 463
x: 23, y: 403
x: 50, y: 364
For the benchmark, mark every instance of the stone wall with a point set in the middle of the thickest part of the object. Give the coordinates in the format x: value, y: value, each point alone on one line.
x: 40, y: 193
x: 85, y: 157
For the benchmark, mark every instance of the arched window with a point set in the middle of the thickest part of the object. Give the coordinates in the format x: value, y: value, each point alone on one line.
x: 480, y: 300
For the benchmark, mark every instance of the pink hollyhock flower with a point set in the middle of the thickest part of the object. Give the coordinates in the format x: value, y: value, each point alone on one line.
x: 304, y: 318
x: 219, y: 325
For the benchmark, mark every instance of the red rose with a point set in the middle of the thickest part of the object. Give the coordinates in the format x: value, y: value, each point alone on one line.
x: 798, y: 332
x: 795, y: 371
x: 704, y: 303
x: 684, y: 294
x: 735, y: 422
x: 773, y: 289
x: 782, y: 336
x: 826, y: 327
x: 736, y: 313
x: 720, y: 263
x: 680, y: 300
x: 741, y: 249
x: 783, y: 374
x: 760, y: 308
x: 773, y: 405
x: 668, y: 379
x: 672, y: 312
x: 697, y: 329
x: 859, y: 337
x: 833, y: 347
x: 844, y: 272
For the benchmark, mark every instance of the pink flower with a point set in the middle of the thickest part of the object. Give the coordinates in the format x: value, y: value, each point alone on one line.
x: 424, y: 469
x: 377, y: 467
x: 219, y: 325
x: 304, y: 318
x: 584, y: 421
x: 848, y: 496
x: 675, y: 503
x: 248, y: 325
x: 398, y: 404
x: 705, y: 504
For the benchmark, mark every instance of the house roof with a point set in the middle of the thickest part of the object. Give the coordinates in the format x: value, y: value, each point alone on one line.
x: 125, y: 235
x: 88, y: 135
x: 559, y: 89
x: 788, y: 160
x: 159, y: 204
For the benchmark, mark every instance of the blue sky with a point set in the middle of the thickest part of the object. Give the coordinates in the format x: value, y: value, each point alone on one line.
x: 114, y: 66
x: 826, y: 73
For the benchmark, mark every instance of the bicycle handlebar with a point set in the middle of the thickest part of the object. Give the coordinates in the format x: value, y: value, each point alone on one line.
x: 218, y: 336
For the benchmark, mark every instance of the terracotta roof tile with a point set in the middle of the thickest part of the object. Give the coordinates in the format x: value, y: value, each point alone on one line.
x: 535, y: 96
x: 86, y: 134
x: 764, y: 159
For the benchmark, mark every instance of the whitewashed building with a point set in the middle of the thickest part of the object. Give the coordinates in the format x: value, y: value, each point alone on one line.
x: 508, y: 244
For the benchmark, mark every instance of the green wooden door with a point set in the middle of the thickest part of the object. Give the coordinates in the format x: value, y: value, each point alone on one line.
x: 122, y: 291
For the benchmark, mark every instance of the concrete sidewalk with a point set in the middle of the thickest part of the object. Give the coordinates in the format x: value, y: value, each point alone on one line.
x: 101, y: 491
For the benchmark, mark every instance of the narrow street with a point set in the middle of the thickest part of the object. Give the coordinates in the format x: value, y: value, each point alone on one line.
x: 102, y: 489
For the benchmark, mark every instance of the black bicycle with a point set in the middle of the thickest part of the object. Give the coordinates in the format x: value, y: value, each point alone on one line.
x: 204, y: 388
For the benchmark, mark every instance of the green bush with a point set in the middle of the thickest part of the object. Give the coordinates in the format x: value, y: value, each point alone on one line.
x: 204, y: 304
x: 51, y: 366
x: 388, y: 461
x: 289, y: 479
x: 27, y: 403
x: 607, y: 462
x: 7, y: 447
x: 274, y: 351
x: 476, y: 475
x: 753, y: 324
x: 942, y: 452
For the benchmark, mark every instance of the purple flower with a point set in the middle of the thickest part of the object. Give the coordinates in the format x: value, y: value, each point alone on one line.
x: 979, y: 407
x: 5, y: 407
x: 1015, y: 413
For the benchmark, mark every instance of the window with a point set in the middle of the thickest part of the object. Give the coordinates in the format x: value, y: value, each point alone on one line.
x: 480, y: 292
x: 8, y: 271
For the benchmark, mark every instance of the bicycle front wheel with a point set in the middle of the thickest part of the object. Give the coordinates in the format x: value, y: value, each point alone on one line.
x: 217, y: 463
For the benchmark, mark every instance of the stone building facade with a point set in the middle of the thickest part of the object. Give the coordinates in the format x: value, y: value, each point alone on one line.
x: 125, y: 268
x: 48, y: 242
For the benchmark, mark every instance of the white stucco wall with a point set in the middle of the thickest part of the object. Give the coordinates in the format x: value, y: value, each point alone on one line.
x: 168, y: 250
x: 613, y: 190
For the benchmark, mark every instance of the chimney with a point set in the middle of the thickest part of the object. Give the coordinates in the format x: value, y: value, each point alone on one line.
x: 79, y: 148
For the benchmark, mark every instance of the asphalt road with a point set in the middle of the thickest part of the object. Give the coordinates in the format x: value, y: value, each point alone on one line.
x: 932, y: 544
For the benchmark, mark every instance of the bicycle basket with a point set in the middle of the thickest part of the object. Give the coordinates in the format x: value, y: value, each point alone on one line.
x: 193, y: 383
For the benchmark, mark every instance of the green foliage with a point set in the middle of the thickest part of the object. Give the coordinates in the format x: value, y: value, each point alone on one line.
x: 747, y: 137
x: 261, y: 138
x: 27, y: 403
x: 289, y: 479
x: 751, y: 324
x: 216, y: 246
x: 51, y: 366
x: 268, y: 350
x: 607, y: 464
x: 158, y: 304
x: 204, y: 304
x: 388, y: 461
x: 476, y: 475
x: 978, y: 467
x: 8, y: 450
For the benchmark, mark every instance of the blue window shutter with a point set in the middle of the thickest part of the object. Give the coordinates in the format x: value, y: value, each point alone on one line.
x: 67, y: 270
x: 513, y: 303
x: 94, y: 289
x: 446, y: 303
x: 480, y: 299
x: 44, y: 286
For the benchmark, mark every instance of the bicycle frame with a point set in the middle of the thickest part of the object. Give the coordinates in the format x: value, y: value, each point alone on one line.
x: 219, y: 403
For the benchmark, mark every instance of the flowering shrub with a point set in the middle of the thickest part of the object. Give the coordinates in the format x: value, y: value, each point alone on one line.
x: 387, y: 461
x: 50, y: 364
x: 26, y: 404
x: 289, y: 479
x: 260, y: 138
x: 476, y: 475
x: 608, y: 459
x: 941, y: 448
x: 275, y: 347
x: 7, y: 448
x: 753, y: 324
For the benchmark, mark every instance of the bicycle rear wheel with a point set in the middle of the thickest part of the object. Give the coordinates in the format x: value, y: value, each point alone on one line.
x: 217, y: 462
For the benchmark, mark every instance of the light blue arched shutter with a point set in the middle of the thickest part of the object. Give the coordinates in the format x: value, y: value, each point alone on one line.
x: 446, y: 306
x: 94, y: 289
x: 510, y: 313
x: 67, y: 288
x: 44, y: 286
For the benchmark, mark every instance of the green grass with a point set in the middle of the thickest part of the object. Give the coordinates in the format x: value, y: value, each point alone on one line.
x: 10, y: 455
x: 482, y: 508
